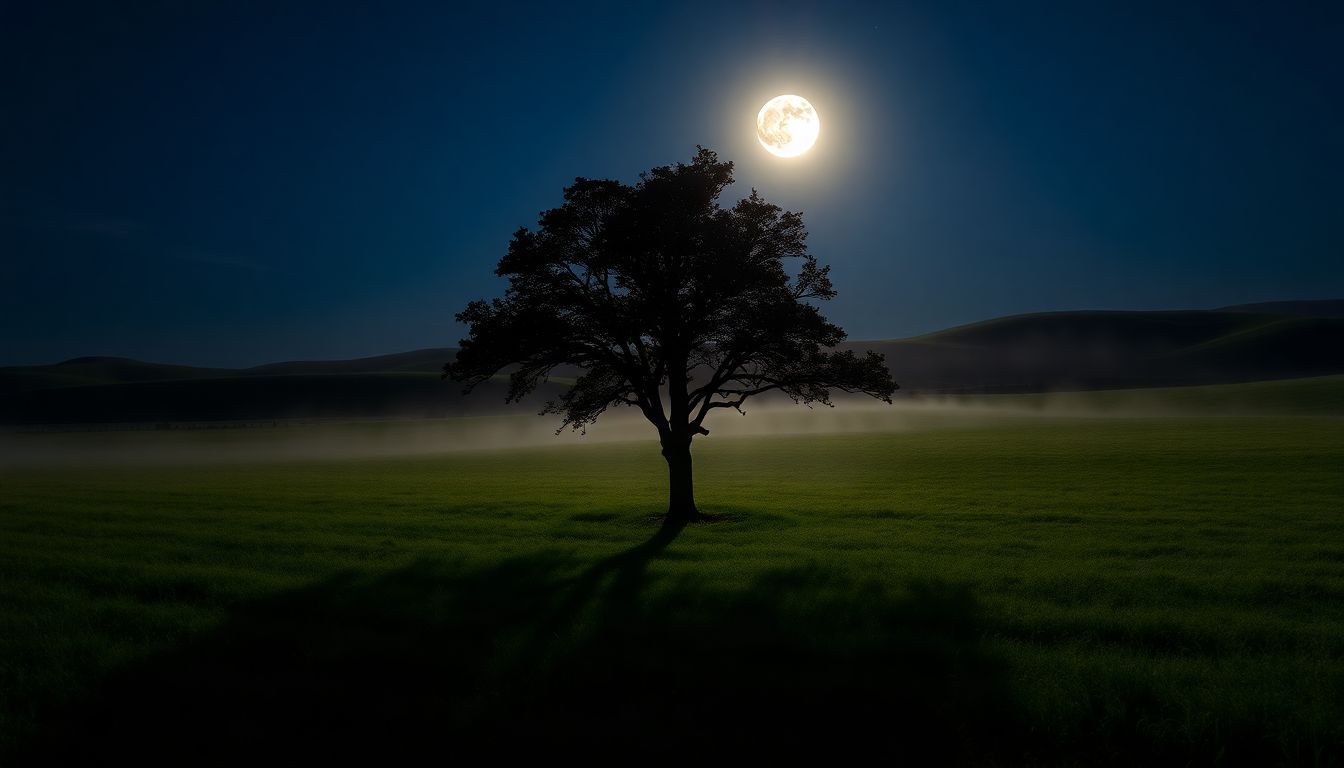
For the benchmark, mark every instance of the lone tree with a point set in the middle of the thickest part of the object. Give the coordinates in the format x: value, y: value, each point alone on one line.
x: 668, y: 303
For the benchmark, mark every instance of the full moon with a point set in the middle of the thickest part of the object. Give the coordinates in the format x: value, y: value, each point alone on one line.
x: 787, y: 126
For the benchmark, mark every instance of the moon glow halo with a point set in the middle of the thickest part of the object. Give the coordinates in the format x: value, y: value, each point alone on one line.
x: 787, y: 126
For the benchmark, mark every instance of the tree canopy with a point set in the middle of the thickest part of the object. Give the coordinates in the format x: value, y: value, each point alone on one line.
x: 668, y: 302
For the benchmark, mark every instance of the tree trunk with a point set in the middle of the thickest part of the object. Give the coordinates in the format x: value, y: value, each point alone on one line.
x: 681, y: 486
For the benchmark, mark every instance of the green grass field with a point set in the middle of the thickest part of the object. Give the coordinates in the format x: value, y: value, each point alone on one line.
x: 1009, y: 589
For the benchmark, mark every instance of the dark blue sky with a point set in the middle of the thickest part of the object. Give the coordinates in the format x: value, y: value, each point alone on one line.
x: 219, y: 183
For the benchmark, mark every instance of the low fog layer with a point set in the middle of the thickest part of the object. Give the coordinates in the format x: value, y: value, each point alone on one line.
x: 283, y: 441
x: 296, y: 440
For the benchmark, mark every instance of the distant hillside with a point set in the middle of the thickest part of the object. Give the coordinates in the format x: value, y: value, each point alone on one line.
x: 97, y: 370
x: 1044, y: 352
x: 419, y: 361
x: 1323, y: 308
x: 1115, y: 350
x: 252, y: 398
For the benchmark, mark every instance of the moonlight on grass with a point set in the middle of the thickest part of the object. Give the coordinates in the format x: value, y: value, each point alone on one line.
x: 787, y: 126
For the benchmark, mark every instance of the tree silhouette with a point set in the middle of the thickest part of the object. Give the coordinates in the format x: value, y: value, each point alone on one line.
x: 668, y: 303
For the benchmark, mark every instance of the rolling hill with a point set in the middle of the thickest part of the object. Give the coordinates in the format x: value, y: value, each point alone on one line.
x: 1115, y: 350
x: 1321, y: 308
x: 1053, y: 351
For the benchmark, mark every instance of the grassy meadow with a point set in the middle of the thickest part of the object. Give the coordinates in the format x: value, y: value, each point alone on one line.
x: 1010, y: 588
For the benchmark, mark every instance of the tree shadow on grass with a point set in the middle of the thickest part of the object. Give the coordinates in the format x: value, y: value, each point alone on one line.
x: 538, y: 657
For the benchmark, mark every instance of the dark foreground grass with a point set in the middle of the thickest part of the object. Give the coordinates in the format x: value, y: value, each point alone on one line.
x: 1031, y: 590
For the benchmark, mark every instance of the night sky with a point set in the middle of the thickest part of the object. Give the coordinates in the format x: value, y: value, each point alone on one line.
x: 224, y: 184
